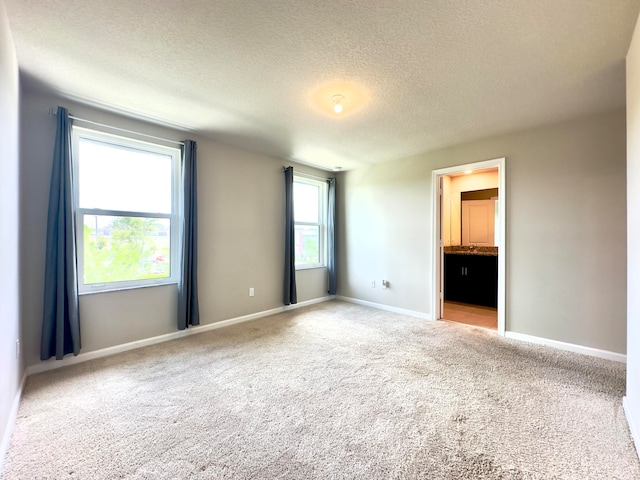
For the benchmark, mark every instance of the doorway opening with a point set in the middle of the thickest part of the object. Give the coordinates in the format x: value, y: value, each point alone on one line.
x: 469, y: 245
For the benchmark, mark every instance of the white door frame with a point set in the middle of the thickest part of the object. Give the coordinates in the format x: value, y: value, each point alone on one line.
x: 438, y: 257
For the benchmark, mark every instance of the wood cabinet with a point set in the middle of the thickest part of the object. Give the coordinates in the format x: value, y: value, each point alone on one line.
x: 471, y: 279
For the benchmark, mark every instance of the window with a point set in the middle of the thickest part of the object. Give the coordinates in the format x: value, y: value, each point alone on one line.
x: 126, y: 211
x: 309, y: 199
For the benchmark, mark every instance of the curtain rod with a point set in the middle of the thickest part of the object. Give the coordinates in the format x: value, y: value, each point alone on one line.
x: 54, y: 112
x: 308, y: 175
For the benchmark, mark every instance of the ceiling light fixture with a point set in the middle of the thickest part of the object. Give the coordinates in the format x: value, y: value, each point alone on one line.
x: 337, y: 106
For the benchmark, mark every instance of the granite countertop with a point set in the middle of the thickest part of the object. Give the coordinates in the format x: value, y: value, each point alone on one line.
x: 482, y: 251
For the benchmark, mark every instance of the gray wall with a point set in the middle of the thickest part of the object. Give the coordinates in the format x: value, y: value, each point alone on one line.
x: 241, y: 221
x: 632, y: 400
x: 566, y: 229
x: 10, y: 366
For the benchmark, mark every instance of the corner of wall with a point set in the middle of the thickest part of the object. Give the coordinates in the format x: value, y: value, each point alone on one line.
x: 632, y: 400
x: 632, y: 420
x: 12, y: 366
x: 13, y: 415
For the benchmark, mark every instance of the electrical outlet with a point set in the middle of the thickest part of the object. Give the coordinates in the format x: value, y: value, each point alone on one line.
x: 385, y: 284
x: 17, y: 349
x: 251, y: 292
x: 373, y: 284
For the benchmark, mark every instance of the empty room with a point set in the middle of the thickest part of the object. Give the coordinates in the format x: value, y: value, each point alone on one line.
x: 298, y: 239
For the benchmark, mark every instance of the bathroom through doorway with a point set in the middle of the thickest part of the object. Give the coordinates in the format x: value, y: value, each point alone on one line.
x: 469, y: 245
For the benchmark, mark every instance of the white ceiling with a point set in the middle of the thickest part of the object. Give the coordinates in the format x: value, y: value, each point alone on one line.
x: 416, y: 75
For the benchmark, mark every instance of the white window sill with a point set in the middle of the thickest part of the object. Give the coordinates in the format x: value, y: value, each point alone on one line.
x: 120, y: 289
x: 310, y: 267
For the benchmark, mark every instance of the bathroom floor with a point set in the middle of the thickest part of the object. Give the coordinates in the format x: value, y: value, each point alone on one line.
x: 479, y: 316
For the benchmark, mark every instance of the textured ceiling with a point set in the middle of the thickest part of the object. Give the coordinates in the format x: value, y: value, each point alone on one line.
x: 416, y: 75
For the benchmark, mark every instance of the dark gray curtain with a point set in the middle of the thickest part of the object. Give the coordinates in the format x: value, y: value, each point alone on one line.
x: 290, y: 294
x: 188, y: 310
x: 61, y: 319
x: 331, y: 235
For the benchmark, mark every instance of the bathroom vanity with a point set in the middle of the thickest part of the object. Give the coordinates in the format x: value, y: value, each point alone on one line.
x: 471, y: 275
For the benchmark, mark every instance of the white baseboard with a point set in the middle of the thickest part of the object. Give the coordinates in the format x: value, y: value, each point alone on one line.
x: 389, y: 308
x: 570, y: 347
x: 52, y: 364
x: 594, y: 352
x: 633, y: 426
x: 11, y: 421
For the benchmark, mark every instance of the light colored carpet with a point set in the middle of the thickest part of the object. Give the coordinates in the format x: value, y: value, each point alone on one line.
x: 332, y: 391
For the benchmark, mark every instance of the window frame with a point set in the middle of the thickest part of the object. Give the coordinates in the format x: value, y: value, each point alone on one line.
x: 322, y: 220
x: 174, y: 219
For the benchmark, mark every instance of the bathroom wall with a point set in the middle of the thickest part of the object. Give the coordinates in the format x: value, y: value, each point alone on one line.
x: 466, y: 183
x: 446, y: 210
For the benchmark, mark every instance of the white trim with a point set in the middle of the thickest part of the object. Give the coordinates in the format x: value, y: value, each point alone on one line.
x: 633, y: 426
x: 500, y: 163
x: 106, y: 352
x: 11, y: 421
x: 570, y: 347
x: 306, y: 303
x: 389, y: 308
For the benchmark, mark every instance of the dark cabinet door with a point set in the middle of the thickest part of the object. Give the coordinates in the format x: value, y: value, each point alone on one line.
x: 455, y: 280
x: 471, y: 279
x: 482, y: 278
